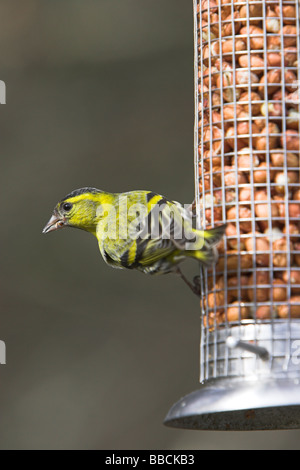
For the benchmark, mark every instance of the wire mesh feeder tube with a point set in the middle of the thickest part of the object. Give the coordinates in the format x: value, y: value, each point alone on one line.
x: 247, y: 149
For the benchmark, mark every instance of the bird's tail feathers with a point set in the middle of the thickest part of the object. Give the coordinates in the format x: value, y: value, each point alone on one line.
x: 203, y: 239
x: 213, y: 235
x: 206, y: 257
x: 207, y: 253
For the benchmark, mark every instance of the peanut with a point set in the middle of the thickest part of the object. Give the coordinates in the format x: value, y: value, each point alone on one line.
x: 278, y: 159
x: 243, y: 77
x: 297, y: 253
x: 213, y: 318
x: 263, y: 312
x: 282, y: 180
x: 232, y: 178
x: 271, y: 109
x: 290, y: 80
x: 289, y: 33
x: 293, y: 230
x: 290, y: 56
x: 232, y: 240
x: 260, y: 173
x: 274, y: 59
x: 214, y: 214
x: 251, y: 100
x: 293, y: 209
x: 242, y: 213
x: 230, y: 46
x: 273, y: 43
x: 293, y: 119
x: 281, y: 255
x: 231, y: 139
x: 262, y: 211
x: 233, y: 284
x: 256, y: 36
x: 227, y: 24
x: 252, y: 10
x: 278, y: 290
x: 272, y: 21
x: 216, y: 299
x: 233, y: 261
x: 258, y: 286
x: 291, y: 140
x: 245, y: 194
x: 273, y: 81
x: 246, y: 161
x: 270, y: 137
x: 261, y: 248
x: 296, y: 195
x: 293, y: 277
x: 287, y: 12
x: 255, y: 62
x: 237, y: 311
x: 291, y: 309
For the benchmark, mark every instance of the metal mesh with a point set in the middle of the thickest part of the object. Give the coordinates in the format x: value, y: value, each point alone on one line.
x: 247, y: 150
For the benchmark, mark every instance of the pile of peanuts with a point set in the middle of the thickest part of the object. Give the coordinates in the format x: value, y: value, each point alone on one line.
x: 249, y: 149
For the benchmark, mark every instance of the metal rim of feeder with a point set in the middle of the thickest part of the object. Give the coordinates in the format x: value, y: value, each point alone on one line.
x: 250, y: 367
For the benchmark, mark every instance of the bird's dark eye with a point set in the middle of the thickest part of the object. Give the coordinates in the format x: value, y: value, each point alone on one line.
x: 67, y: 206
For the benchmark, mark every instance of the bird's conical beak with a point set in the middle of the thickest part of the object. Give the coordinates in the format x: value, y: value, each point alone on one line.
x: 54, y: 223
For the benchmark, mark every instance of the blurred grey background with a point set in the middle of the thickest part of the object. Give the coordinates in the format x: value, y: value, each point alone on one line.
x: 99, y: 93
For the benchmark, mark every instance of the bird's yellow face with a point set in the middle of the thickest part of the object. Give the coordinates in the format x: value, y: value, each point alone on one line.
x: 79, y: 212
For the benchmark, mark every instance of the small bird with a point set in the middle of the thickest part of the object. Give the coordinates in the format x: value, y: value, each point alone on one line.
x: 138, y: 230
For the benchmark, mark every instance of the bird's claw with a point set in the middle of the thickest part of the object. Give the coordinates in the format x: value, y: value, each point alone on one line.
x: 195, y: 286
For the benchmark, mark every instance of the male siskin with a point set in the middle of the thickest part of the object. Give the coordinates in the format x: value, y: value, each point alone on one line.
x: 138, y: 230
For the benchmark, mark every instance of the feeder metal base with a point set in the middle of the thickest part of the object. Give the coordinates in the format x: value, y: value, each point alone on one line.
x: 239, y: 405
